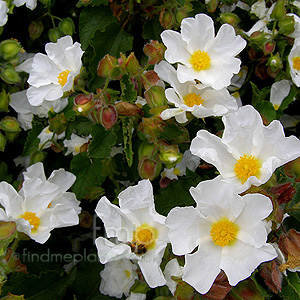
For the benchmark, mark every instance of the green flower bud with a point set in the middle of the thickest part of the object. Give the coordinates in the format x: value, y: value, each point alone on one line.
x: 258, y: 37
x: 155, y: 52
x: 286, y: 25
x: 180, y: 15
x: 109, y: 67
x: 10, y: 124
x: 230, y: 18
x: 212, y: 5
x: 58, y: 124
x: 35, y: 29
x: 4, y: 101
x: 66, y: 26
x: 54, y: 35
x: 8, y: 74
x: 166, y: 19
x: 149, y: 168
x: 2, y: 142
x: 37, y: 156
x: 132, y: 65
x: 147, y: 149
x: 155, y: 96
x: 279, y: 10
x: 9, y: 49
x: 83, y: 103
x: 170, y: 155
x: 275, y: 62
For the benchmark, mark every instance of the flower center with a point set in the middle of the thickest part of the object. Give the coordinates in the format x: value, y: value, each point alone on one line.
x: 223, y: 232
x: 192, y: 99
x: 246, y: 166
x: 145, y: 236
x: 32, y: 219
x: 296, y: 63
x: 63, y: 77
x: 200, y: 60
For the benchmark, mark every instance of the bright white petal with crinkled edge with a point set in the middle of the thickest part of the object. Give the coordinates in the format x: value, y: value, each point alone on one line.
x: 31, y: 4
x: 152, y: 272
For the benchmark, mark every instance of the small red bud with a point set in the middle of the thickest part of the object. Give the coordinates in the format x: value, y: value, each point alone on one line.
x: 108, y: 116
x: 155, y: 52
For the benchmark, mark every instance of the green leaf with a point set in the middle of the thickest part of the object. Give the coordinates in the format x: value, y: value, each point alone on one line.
x: 102, y: 142
x: 259, y: 95
x: 152, y: 29
x: 175, y: 133
x: 176, y: 193
x: 129, y: 94
x: 291, y: 287
x: 81, y: 125
x: 267, y: 109
x: 92, y: 19
x: 88, y: 174
x: 48, y: 286
x: 32, y: 142
x: 4, y: 176
x: 127, y: 126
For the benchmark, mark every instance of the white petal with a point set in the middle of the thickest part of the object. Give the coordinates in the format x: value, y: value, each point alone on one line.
x: 152, y: 273
x: 35, y: 171
x: 10, y: 200
x: 62, y: 178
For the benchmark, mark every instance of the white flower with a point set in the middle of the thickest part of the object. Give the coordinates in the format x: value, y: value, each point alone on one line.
x: 172, y: 269
x: 202, y: 55
x: 259, y: 9
x: 200, y: 100
x: 227, y: 229
x: 75, y: 143
x: 296, y: 32
x: 19, y: 102
x: 41, y: 204
x: 117, y: 278
x: 53, y: 74
x: 46, y: 138
x: 294, y: 62
x: 279, y: 91
x: 139, y: 229
x: 31, y: 4
x: 249, y: 152
x: 3, y: 12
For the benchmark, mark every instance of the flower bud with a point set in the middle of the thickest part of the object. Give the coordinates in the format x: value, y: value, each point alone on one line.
x: 83, y: 103
x: 212, y: 5
x: 292, y: 169
x: 279, y: 10
x: 2, y: 142
x: 155, y: 96
x: 54, y: 34
x: 286, y: 25
x: 268, y: 47
x: 4, y: 101
x: 10, y: 124
x: 275, y: 62
x: 151, y: 79
x: 155, y: 52
x: 9, y: 49
x: 109, y: 67
x: 285, y: 192
x: 58, y: 124
x: 66, y: 26
x: 166, y: 19
x: 149, y: 168
x: 8, y: 74
x: 169, y: 155
x: 230, y: 18
x: 151, y: 128
x: 132, y: 65
x: 147, y: 149
x: 108, y: 116
x: 35, y: 29
x: 257, y: 37
x: 180, y: 15
x: 37, y: 156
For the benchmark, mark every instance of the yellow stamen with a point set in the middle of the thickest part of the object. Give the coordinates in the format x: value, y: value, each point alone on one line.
x: 296, y: 63
x: 127, y: 273
x: 176, y: 171
x: 246, y: 166
x: 32, y: 219
x: 223, y: 232
x: 63, y: 77
x: 192, y: 99
x: 145, y: 236
x: 200, y: 60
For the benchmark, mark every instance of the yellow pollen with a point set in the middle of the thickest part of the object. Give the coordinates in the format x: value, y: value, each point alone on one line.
x: 32, y: 219
x: 246, y: 166
x: 127, y: 273
x: 296, y: 63
x: 200, y: 60
x: 145, y: 235
x: 223, y: 232
x: 192, y: 99
x: 276, y: 106
x: 63, y: 77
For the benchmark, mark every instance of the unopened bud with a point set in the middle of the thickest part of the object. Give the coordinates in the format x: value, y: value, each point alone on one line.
x: 9, y: 49
x: 230, y: 18
x: 35, y: 29
x: 275, y: 62
x: 147, y: 149
x: 212, y: 5
x: 9, y: 74
x: 287, y: 25
x: 268, y: 47
x: 170, y: 155
x: 257, y: 37
x: 58, y: 124
x: 54, y: 34
x: 83, y: 103
x: 180, y: 15
x: 285, y: 192
x: 108, y: 116
x: 4, y: 101
x: 109, y: 67
x: 10, y: 124
x: 149, y: 168
x: 132, y: 65
x: 292, y: 169
x: 66, y: 26
x: 155, y: 96
x: 155, y: 52
x: 2, y: 142
x: 279, y: 10
x: 151, y: 79
x: 166, y: 19
x: 37, y: 156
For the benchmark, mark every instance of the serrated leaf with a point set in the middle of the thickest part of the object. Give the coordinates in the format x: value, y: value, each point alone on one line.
x: 102, y: 142
x: 81, y: 125
x: 267, y: 109
x: 88, y: 174
x: 127, y: 126
x: 92, y: 19
x: 291, y: 287
x: 32, y: 141
x: 176, y: 193
x: 129, y: 94
x: 259, y: 95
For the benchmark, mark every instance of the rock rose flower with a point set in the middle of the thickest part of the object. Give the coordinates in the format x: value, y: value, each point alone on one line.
x: 200, y: 54
x: 3, y: 12
x: 198, y: 99
x: 31, y: 4
x: 53, y: 74
x: 228, y: 231
x: 74, y: 144
x: 141, y: 232
x: 248, y: 152
x: 41, y: 204
x: 294, y: 62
